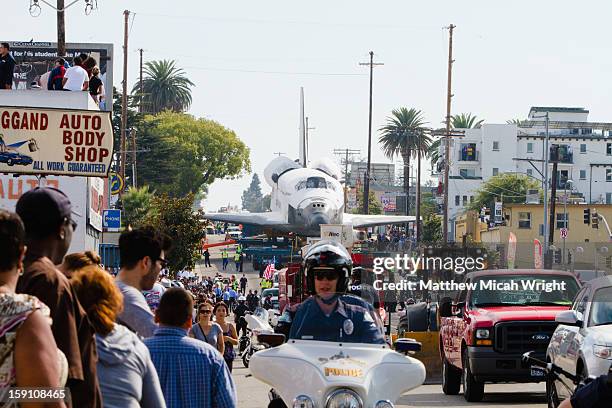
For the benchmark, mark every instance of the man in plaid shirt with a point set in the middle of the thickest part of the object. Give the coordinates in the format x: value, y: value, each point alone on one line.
x: 191, y: 372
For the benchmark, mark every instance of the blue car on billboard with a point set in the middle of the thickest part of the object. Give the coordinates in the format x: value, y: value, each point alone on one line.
x: 12, y: 158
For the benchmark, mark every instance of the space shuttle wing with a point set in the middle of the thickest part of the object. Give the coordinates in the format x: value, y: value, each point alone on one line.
x: 362, y: 220
x: 262, y: 219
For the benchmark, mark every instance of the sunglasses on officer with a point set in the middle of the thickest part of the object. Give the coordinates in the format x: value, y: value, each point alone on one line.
x: 325, y: 273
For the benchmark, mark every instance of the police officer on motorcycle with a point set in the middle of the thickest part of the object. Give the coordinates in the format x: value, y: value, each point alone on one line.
x: 330, y: 314
x: 596, y: 394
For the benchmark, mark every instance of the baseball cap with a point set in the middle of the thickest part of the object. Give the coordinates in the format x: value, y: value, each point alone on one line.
x: 43, y: 209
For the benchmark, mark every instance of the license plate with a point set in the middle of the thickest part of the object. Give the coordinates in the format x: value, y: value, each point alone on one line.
x: 536, y: 372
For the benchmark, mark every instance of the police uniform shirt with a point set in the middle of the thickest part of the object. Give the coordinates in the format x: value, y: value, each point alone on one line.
x: 350, y: 322
x: 596, y: 394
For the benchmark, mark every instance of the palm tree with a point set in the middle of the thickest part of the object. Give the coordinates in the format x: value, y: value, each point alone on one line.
x: 466, y: 121
x: 516, y: 122
x: 433, y: 152
x: 165, y: 87
x: 405, y: 135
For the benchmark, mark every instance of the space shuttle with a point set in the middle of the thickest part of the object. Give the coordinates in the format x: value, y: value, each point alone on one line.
x: 304, y: 196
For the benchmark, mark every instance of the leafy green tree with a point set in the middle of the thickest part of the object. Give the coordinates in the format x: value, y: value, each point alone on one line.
x: 466, y: 121
x: 374, y: 205
x: 432, y: 229
x: 507, y: 187
x: 164, y: 87
x: 134, y: 122
x: 186, y: 229
x: 187, y: 154
x: 516, y: 122
x: 252, y: 199
x: 428, y: 205
x: 137, y: 205
x: 405, y: 135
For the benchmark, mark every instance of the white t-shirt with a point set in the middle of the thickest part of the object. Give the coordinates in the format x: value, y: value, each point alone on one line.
x: 75, y: 78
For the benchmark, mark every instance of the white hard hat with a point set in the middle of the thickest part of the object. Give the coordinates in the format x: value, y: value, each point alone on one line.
x: 241, y: 298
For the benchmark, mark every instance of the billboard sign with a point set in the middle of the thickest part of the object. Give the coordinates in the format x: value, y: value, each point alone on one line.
x: 111, y: 220
x: 35, y: 59
x: 389, y: 202
x: 55, y: 141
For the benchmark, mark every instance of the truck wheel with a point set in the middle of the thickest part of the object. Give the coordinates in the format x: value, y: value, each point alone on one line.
x: 473, y: 391
x: 451, y: 379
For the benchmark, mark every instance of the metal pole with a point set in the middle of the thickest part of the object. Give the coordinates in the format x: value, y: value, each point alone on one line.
x: 140, y: 86
x: 447, y: 138
x: 366, y: 187
x: 564, y: 223
x: 126, y: 15
x: 61, y: 29
x: 546, y: 157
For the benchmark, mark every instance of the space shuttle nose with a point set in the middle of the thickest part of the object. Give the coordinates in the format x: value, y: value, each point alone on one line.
x: 317, y: 219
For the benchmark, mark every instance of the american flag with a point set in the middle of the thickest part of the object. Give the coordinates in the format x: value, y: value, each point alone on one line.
x: 269, y: 271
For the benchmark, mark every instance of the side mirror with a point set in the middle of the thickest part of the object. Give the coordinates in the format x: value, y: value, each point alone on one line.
x: 570, y: 318
x: 275, y: 178
x: 446, y: 307
x: 405, y: 346
x: 271, y: 339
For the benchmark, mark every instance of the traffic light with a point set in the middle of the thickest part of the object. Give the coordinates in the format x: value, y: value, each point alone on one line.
x: 558, y: 256
x: 594, y: 219
x: 587, y: 216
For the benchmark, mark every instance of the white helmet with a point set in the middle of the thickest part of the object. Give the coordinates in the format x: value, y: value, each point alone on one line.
x: 241, y: 298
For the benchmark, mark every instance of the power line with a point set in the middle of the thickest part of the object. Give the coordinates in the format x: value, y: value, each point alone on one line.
x: 252, y: 71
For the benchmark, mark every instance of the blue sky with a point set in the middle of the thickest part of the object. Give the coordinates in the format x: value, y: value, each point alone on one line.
x: 248, y: 60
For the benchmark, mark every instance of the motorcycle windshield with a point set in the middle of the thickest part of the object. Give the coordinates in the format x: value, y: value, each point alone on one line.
x: 261, y: 314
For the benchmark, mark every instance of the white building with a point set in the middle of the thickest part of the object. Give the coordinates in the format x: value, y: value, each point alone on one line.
x: 586, y: 155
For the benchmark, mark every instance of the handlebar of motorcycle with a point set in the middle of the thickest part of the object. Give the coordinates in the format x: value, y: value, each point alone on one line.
x: 549, y: 367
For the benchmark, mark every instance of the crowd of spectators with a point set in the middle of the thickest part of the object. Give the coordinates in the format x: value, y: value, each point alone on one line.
x: 97, y: 334
x: 82, y: 75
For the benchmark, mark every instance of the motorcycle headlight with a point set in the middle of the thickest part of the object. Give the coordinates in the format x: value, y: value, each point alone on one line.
x: 604, y: 352
x: 303, y: 401
x: 384, y: 404
x: 344, y: 398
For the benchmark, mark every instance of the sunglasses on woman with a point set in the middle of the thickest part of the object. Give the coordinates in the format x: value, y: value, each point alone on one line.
x: 205, y: 311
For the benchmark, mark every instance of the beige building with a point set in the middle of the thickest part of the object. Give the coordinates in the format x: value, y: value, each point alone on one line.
x: 586, y: 248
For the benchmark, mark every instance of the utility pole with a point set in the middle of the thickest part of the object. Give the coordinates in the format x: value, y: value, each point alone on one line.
x: 61, y: 29
x: 345, y: 160
x: 553, y: 196
x: 449, y: 96
x: 134, y: 154
x: 366, y: 187
x: 140, y: 50
x: 126, y: 15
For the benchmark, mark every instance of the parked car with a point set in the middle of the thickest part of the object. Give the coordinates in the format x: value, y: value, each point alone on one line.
x: 485, y: 332
x: 270, y: 291
x: 12, y: 158
x: 582, y: 343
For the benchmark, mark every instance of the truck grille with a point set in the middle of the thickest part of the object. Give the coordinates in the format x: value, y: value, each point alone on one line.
x: 520, y: 337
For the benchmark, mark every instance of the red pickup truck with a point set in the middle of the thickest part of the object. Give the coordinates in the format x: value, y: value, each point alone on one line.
x: 496, y: 317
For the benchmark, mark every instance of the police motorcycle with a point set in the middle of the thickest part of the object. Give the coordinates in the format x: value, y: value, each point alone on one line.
x: 309, y: 373
x: 552, y: 372
x: 257, y: 323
